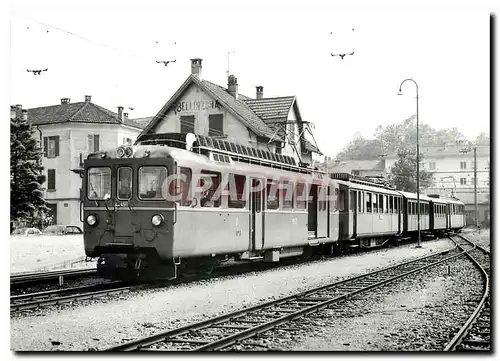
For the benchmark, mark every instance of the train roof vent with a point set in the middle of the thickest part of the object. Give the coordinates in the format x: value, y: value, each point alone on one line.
x: 243, y: 153
x: 369, y: 181
x: 433, y: 195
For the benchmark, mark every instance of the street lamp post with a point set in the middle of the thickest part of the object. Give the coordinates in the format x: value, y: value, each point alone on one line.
x: 418, y: 164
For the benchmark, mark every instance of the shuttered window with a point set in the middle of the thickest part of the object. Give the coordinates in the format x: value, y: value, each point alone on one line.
x: 51, y: 146
x: 93, y: 143
x: 215, y: 125
x: 51, y: 179
x: 187, y: 124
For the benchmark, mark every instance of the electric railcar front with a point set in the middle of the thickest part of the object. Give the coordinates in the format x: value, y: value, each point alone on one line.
x: 128, y: 222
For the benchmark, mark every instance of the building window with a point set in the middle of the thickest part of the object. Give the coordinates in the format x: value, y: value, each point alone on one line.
x: 51, y: 179
x: 291, y: 132
x: 93, y: 143
x: 463, y: 181
x: 187, y: 124
x: 51, y: 146
x: 127, y: 141
x: 463, y: 165
x: 215, y: 125
x: 432, y: 165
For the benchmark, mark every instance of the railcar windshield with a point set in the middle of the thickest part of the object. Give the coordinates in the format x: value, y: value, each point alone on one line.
x: 151, y: 183
x: 124, y: 186
x: 98, y: 182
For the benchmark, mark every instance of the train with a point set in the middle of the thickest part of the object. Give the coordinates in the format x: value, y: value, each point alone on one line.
x: 175, y: 203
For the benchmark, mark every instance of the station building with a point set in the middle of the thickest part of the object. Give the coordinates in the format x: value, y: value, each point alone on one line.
x: 202, y: 107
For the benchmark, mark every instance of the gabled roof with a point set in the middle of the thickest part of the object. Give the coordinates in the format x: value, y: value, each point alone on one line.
x: 82, y: 112
x: 235, y: 106
x: 271, y: 109
x: 259, y: 115
x: 275, y: 110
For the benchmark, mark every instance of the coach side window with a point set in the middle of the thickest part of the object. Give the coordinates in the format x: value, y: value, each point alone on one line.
x: 391, y: 207
x: 236, y: 191
x: 369, y: 202
x: 210, y: 197
x: 273, y: 200
x: 300, y: 196
x: 352, y: 201
x: 179, y: 188
x: 286, y: 194
x: 360, y: 202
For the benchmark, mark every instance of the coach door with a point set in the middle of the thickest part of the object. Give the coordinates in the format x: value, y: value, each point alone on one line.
x: 256, y: 215
x: 322, y: 212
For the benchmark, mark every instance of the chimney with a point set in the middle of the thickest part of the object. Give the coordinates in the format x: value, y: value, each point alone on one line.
x: 125, y: 115
x: 120, y: 114
x: 87, y: 98
x: 259, y: 92
x: 196, y: 67
x: 25, y: 114
x: 232, y: 86
x: 65, y: 100
x: 13, y: 112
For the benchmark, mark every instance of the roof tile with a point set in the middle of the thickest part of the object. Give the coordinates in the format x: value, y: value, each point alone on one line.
x: 82, y: 112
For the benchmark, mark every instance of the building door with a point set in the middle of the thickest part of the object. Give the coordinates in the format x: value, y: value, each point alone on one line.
x: 53, y: 212
x: 257, y: 190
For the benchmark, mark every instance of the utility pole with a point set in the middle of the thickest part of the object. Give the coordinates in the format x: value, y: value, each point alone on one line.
x: 475, y: 187
x: 476, y: 218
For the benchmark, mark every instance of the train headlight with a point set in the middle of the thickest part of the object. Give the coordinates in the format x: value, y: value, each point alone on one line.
x: 157, y: 220
x: 91, y: 220
x: 120, y: 151
x: 129, y: 151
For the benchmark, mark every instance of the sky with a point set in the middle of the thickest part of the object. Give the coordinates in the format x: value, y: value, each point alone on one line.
x: 109, y: 50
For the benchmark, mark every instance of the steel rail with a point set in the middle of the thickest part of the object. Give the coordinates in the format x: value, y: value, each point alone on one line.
x: 101, y: 290
x: 312, y: 304
x: 459, y: 337
x: 38, y: 276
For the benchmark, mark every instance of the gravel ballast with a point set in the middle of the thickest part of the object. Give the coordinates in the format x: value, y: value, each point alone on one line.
x: 418, y: 313
x: 104, y: 323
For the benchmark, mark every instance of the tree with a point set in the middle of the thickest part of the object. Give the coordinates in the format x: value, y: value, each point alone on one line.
x: 482, y: 139
x: 404, y: 172
x: 26, y: 174
x: 360, y: 149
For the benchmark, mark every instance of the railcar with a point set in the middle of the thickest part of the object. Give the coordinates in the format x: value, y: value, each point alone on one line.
x: 162, y: 208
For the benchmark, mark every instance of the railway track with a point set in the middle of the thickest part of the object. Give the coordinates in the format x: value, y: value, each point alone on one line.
x: 53, y: 276
x: 475, y: 334
x: 38, y: 299
x: 226, y: 331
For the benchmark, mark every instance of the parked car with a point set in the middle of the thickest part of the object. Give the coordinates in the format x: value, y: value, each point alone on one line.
x: 62, y: 230
x: 26, y: 231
